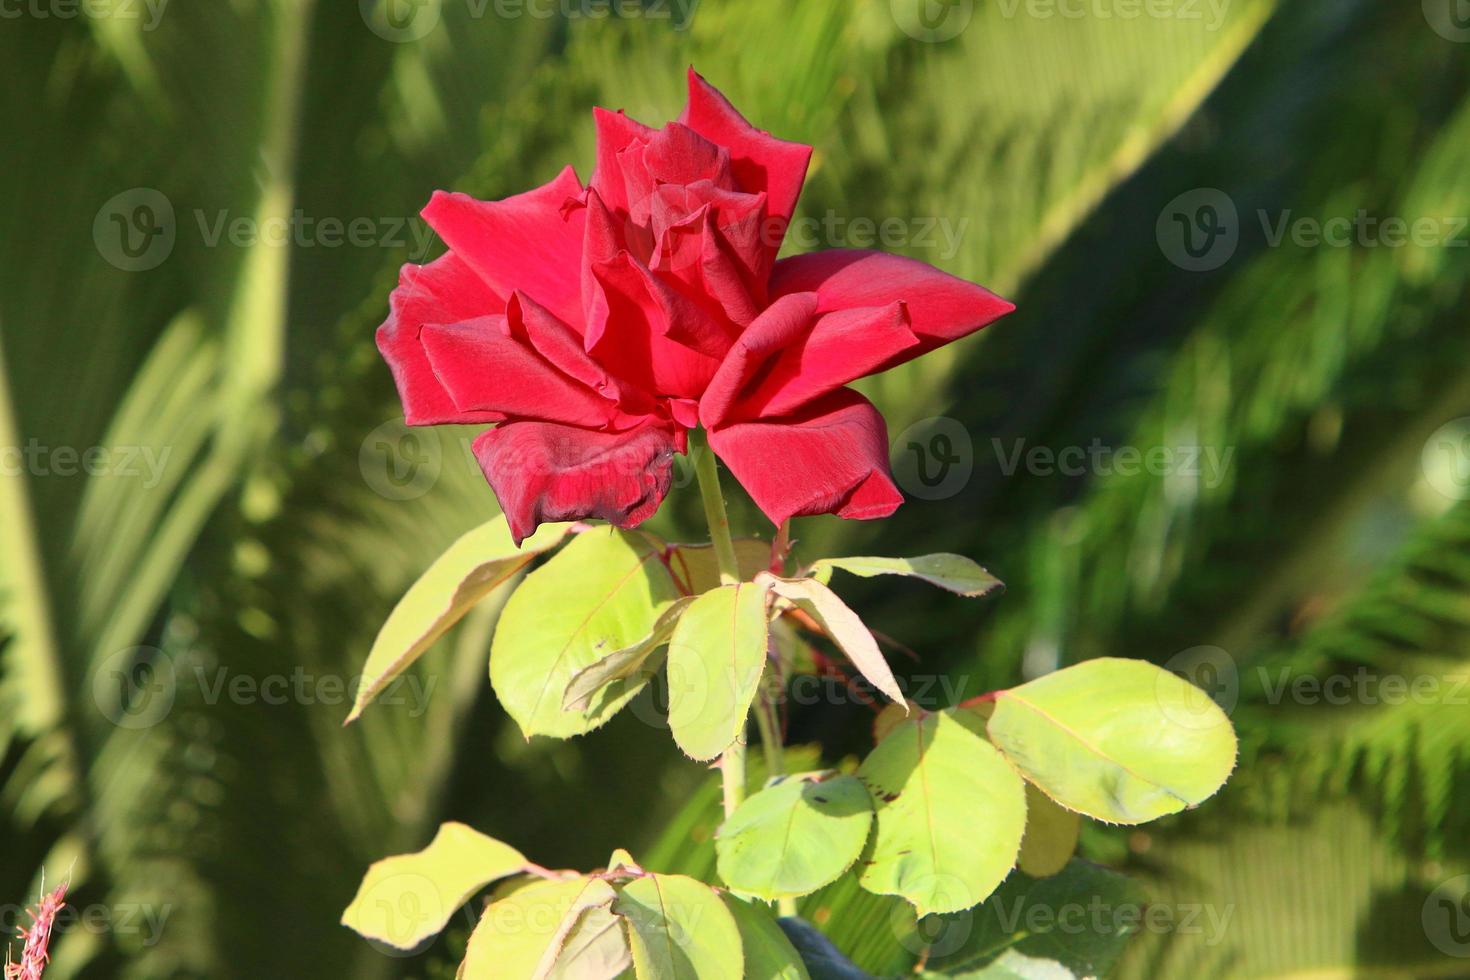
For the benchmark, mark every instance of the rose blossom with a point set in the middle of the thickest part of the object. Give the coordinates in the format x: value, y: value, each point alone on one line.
x: 596, y: 325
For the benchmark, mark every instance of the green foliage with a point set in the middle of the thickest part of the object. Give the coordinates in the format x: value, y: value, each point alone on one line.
x: 265, y: 547
x: 953, y: 572
x: 717, y: 656
x: 407, y: 899
x: 680, y: 930
x: 603, y: 592
x: 934, y: 784
x: 794, y: 836
x: 1118, y: 740
x: 472, y: 568
x: 843, y: 627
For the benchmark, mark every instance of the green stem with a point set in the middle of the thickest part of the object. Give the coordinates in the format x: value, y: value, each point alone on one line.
x: 770, y: 729
x: 732, y: 775
x: 732, y: 763
x: 706, y: 469
x: 708, y: 472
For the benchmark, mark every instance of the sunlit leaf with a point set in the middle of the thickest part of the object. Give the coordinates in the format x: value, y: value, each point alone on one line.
x: 680, y: 930
x: 1118, y: 740
x: 843, y: 626
x: 602, y: 593
x: 793, y: 837
x: 471, y: 569
x: 522, y: 932
x: 590, y: 944
x: 716, y: 657
x: 951, y: 814
x: 406, y: 899
x: 624, y: 664
x: 953, y: 572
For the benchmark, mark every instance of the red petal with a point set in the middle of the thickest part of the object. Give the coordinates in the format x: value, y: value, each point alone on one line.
x: 485, y: 369
x: 941, y: 307
x: 780, y: 326
x: 526, y: 242
x: 648, y: 333
x: 709, y: 240
x: 543, y: 472
x: 444, y: 291
x: 839, y: 348
x: 760, y: 161
x: 675, y: 156
x: 790, y: 357
x: 615, y: 132
x: 832, y: 458
x: 562, y: 347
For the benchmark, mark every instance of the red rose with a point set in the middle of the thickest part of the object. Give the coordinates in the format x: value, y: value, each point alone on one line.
x: 597, y: 325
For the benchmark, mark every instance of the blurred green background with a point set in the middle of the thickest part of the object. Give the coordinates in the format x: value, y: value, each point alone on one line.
x: 208, y: 506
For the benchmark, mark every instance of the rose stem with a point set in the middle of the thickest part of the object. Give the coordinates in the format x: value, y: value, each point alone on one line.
x: 732, y: 763
x: 708, y: 471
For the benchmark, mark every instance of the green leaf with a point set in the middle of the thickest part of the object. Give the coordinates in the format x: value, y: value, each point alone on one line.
x: 521, y: 933
x: 844, y: 628
x: 591, y: 943
x: 793, y: 837
x: 603, y: 592
x: 472, y: 568
x: 626, y: 663
x: 951, y: 814
x: 769, y: 955
x: 407, y: 899
x: 953, y: 572
x: 698, y: 570
x: 1119, y: 740
x: 716, y: 656
x: 1051, y: 835
x: 680, y: 930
